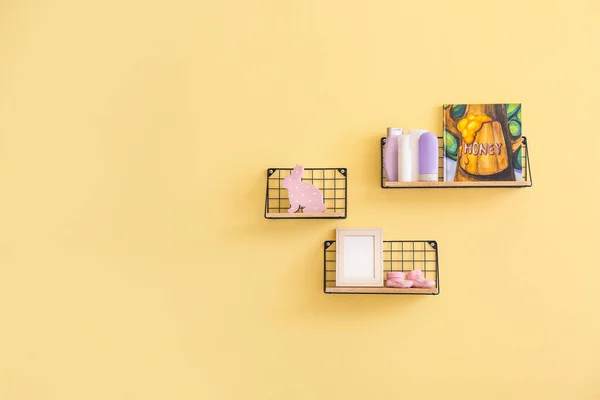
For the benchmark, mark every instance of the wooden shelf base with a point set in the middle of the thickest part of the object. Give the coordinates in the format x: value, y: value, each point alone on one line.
x: 376, y: 290
x: 285, y: 215
x: 495, y: 184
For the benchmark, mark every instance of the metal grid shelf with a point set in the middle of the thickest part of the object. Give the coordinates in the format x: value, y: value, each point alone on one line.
x: 398, y: 255
x: 332, y: 182
x: 526, y: 182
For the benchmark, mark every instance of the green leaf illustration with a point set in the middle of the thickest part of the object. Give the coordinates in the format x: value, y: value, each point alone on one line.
x: 450, y: 145
x: 514, y: 127
x: 511, y: 109
x: 458, y: 110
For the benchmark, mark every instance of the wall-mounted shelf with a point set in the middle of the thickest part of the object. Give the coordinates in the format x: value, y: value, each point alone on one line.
x: 455, y: 184
x: 398, y: 255
x: 525, y: 182
x: 300, y: 215
x: 380, y: 290
x: 332, y: 182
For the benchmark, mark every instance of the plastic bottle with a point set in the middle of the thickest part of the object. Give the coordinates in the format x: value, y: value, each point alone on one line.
x: 415, y: 135
x: 390, y: 154
x: 428, y: 157
x: 405, y: 157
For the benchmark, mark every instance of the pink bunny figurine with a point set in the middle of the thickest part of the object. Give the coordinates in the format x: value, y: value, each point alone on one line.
x: 303, y: 194
x: 416, y: 276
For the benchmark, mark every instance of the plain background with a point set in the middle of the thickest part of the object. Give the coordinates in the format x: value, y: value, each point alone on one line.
x: 135, y: 262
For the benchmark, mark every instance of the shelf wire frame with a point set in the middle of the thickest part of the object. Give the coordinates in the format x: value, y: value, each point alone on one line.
x: 524, y: 162
x: 332, y: 182
x: 398, y: 255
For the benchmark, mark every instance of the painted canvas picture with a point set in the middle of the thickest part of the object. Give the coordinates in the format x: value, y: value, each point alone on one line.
x: 482, y: 142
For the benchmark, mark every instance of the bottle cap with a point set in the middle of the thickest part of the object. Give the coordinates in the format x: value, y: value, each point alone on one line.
x: 394, y: 131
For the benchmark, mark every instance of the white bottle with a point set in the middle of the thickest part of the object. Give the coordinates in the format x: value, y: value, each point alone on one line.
x: 415, y: 135
x: 405, y: 159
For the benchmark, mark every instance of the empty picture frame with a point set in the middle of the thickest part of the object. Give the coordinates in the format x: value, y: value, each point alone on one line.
x: 359, y: 257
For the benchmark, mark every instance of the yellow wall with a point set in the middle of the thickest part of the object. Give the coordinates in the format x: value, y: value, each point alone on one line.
x: 135, y: 262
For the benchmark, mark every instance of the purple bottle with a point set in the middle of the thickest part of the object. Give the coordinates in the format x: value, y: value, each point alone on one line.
x: 428, y: 157
x: 390, y: 154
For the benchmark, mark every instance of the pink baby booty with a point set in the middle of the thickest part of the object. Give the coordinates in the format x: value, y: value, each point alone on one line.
x: 396, y: 279
x: 416, y: 276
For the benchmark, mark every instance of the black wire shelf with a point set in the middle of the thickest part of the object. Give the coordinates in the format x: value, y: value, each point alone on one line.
x: 398, y: 255
x: 332, y: 182
x: 525, y: 182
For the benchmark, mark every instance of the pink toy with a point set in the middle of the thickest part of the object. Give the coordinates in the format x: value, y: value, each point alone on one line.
x: 419, y: 282
x: 303, y: 194
x: 396, y: 280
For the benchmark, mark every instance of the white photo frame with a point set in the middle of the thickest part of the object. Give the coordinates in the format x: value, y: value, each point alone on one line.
x: 359, y: 257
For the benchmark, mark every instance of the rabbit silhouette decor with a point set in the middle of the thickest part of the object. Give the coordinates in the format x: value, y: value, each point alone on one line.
x: 301, y: 194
